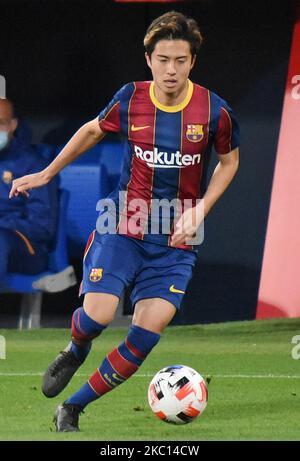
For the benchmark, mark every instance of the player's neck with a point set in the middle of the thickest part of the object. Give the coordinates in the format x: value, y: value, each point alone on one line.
x: 171, y: 99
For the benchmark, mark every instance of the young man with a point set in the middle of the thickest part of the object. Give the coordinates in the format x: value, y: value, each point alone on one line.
x: 170, y: 125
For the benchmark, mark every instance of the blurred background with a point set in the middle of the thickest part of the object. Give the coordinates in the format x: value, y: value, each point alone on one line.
x: 63, y: 60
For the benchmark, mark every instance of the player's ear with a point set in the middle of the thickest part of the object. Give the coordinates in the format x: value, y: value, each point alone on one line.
x: 148, y: 60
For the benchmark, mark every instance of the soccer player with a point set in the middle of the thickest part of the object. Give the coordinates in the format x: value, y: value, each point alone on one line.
x: 170, y: 125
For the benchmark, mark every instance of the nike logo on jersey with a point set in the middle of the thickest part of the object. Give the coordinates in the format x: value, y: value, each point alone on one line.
x: 174, y: 290
x: 139, y: 128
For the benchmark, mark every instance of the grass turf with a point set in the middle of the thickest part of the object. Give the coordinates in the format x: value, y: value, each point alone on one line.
x: 254, y: 392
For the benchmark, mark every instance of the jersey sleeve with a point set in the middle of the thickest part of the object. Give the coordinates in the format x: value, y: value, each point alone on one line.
x: 117, y: 110
x: 227, y: 135
x: 109, y: 118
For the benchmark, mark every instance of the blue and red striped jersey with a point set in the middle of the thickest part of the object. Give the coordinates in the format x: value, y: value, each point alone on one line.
x: 166, y: 147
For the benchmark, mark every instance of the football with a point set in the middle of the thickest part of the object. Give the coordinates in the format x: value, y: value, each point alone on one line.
x: 177, y: 394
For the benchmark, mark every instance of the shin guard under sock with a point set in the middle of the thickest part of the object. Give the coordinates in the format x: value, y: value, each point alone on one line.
x: 84, y: 330
x: 118, y: 365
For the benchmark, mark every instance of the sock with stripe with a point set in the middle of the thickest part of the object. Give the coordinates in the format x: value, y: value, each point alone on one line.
x: 84, y: 330
x: 118, y: 365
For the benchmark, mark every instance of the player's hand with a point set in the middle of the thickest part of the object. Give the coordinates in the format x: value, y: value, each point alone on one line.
x: 26, y: 183
x: 187, y: 225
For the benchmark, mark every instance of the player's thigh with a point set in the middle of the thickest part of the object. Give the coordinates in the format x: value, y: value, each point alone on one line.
x: 106, y: 275
x: 164, y: 279
x: 101, y: 307
x: 153, y: 314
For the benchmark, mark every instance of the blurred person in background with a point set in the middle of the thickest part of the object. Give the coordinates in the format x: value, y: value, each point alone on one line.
x: 27, y: 225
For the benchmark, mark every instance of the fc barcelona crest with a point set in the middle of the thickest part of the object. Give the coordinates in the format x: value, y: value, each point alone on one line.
x: 194, y: 133
x: 96, y: 274
x: 7, y: 177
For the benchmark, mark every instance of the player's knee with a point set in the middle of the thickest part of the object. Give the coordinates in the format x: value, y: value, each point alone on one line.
x: 101, y: 307
x: 153, y: 314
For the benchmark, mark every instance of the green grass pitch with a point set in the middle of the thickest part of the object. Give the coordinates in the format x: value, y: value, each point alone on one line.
x: 254, y: 392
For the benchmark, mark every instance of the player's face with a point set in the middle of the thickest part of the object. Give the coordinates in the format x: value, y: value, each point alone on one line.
x: 171, y: 63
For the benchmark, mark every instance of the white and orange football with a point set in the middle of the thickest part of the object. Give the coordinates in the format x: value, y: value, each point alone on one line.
x: 177, y: 394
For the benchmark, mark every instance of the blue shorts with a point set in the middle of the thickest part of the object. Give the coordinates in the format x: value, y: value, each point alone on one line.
x: 112, y: 262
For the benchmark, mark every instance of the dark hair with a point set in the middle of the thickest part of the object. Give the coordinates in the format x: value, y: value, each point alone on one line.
x: 173, y: 26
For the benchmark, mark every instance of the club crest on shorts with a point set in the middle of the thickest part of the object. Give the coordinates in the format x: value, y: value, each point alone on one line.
x: 194, y: 133
x: 7, y: 177
x: 96, y: 274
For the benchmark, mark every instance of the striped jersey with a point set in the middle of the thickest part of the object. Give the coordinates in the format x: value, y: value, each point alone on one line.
x: 165, y: 150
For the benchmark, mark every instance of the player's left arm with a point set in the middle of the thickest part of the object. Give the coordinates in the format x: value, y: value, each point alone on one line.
x: 191, y: 219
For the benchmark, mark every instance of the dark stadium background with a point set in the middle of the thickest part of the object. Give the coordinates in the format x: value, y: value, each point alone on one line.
x: 63, y: 60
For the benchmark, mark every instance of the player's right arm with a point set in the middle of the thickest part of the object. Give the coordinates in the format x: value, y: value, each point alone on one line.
x: 85, y: 138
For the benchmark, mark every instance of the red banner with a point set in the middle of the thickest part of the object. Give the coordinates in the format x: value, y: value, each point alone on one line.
x: 279, y: 293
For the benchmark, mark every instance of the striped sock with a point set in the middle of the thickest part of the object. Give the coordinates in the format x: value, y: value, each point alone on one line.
x: 117, y: 366
x: 84, y: 330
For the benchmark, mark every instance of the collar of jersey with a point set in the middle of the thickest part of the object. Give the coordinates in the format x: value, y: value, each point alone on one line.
x: 176, y: 108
